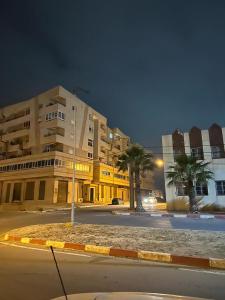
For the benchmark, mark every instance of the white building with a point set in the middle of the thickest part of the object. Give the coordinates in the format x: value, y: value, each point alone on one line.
x: 207, y: 145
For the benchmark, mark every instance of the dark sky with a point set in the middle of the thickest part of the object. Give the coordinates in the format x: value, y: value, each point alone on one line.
x: 150, y: 66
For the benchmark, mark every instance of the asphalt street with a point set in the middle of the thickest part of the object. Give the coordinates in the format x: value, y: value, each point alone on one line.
x: 27, y: 273
x: 10, y: 220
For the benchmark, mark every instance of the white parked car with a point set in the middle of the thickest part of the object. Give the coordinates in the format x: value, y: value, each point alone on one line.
x: 149, y: 202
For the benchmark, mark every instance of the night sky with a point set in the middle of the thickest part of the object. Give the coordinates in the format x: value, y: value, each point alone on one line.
x: 149, y: 66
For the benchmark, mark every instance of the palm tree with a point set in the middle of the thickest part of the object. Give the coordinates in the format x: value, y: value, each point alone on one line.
x: 188, y: 172
x: 138, y: 162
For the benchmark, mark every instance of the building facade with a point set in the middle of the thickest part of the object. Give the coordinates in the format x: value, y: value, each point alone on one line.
x: 37, y: 142
x: 206, y: 145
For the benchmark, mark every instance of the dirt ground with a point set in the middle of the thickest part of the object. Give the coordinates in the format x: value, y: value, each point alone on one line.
x: 180, y: 242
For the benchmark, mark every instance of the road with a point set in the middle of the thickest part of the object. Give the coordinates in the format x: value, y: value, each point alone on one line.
x: 27, y: 273
x: 10, y: 220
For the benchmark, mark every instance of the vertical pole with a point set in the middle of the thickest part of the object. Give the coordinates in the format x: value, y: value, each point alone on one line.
x: 74, y: 168
x: 131, y: 186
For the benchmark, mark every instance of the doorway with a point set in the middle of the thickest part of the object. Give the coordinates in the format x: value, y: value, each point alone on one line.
x: 17, y: 192
x: 62, y: 191
x: 92, y: 195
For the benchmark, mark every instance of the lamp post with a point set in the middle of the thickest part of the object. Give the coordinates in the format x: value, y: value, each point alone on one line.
x: 74, y: 167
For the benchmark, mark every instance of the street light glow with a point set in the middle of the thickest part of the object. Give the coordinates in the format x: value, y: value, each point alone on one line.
x: 159, y: 163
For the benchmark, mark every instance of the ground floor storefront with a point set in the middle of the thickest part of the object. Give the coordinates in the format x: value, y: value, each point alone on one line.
x: 56, y: 190
x: 47, y: 179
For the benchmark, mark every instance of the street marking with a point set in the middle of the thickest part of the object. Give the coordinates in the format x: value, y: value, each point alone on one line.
x: 203, y: 271
x: 207, y: 217
x: 46, y: 250
x: 156, y: 215
x: 180, y: 216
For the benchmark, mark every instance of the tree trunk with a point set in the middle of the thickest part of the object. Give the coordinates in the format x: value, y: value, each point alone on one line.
x: 192, y: 200
x: 139, y: 207
x: 131, y: 183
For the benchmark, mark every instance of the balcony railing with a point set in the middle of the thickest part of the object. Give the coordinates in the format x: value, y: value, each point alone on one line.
x: 14, y: 116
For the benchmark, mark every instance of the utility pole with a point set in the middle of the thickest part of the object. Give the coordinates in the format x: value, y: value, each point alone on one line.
x: 74, y: 167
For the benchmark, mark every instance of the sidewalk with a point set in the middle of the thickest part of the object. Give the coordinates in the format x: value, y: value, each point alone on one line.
x: 170, y: 215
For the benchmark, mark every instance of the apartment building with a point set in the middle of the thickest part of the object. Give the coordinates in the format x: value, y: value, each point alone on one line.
x: 37, y: 142
x: 207, y: 145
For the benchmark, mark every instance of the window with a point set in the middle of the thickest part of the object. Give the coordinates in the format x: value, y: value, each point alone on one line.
x: 41, y: 195
x: 29, y: 194
x: 90, y: 155
x: 61, y: 115
x: 201, y: 190
x: 90, y: 117
x: 55, y: 115
x: 49, y: 148
x: 217, y: 152
x: 106, y: 173
x: 120, y: 176
x: 91, y: 129
x: 90, y: 142
x: 197, y: 153
x: 26, y: 124
x: 181, y: 190
x: 220, y: 187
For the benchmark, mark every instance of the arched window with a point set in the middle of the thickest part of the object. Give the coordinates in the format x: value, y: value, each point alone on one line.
x: 216, y: 141
x: 195, y: 137
x: 178, y: 143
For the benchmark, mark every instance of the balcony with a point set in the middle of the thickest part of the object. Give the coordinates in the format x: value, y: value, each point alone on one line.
x: 53, y: 147
x: 14, y: 148
x: 103, y: 127
x: 53, y: 135
x: 15, y: 115
x: 15, y: 134
x: 117, y: 147
x: 105, y: 139
x: 55, y: 131
x: 57, y: 100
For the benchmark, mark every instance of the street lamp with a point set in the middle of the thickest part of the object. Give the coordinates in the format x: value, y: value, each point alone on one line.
x: 74, y: 167
x: 159, y: 163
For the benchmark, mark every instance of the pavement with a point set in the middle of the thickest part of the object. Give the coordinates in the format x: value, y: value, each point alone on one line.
x: 30, y: 273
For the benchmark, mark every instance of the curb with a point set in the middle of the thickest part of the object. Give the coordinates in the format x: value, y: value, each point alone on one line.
x: 168, y: 215
x: 193, y: 261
